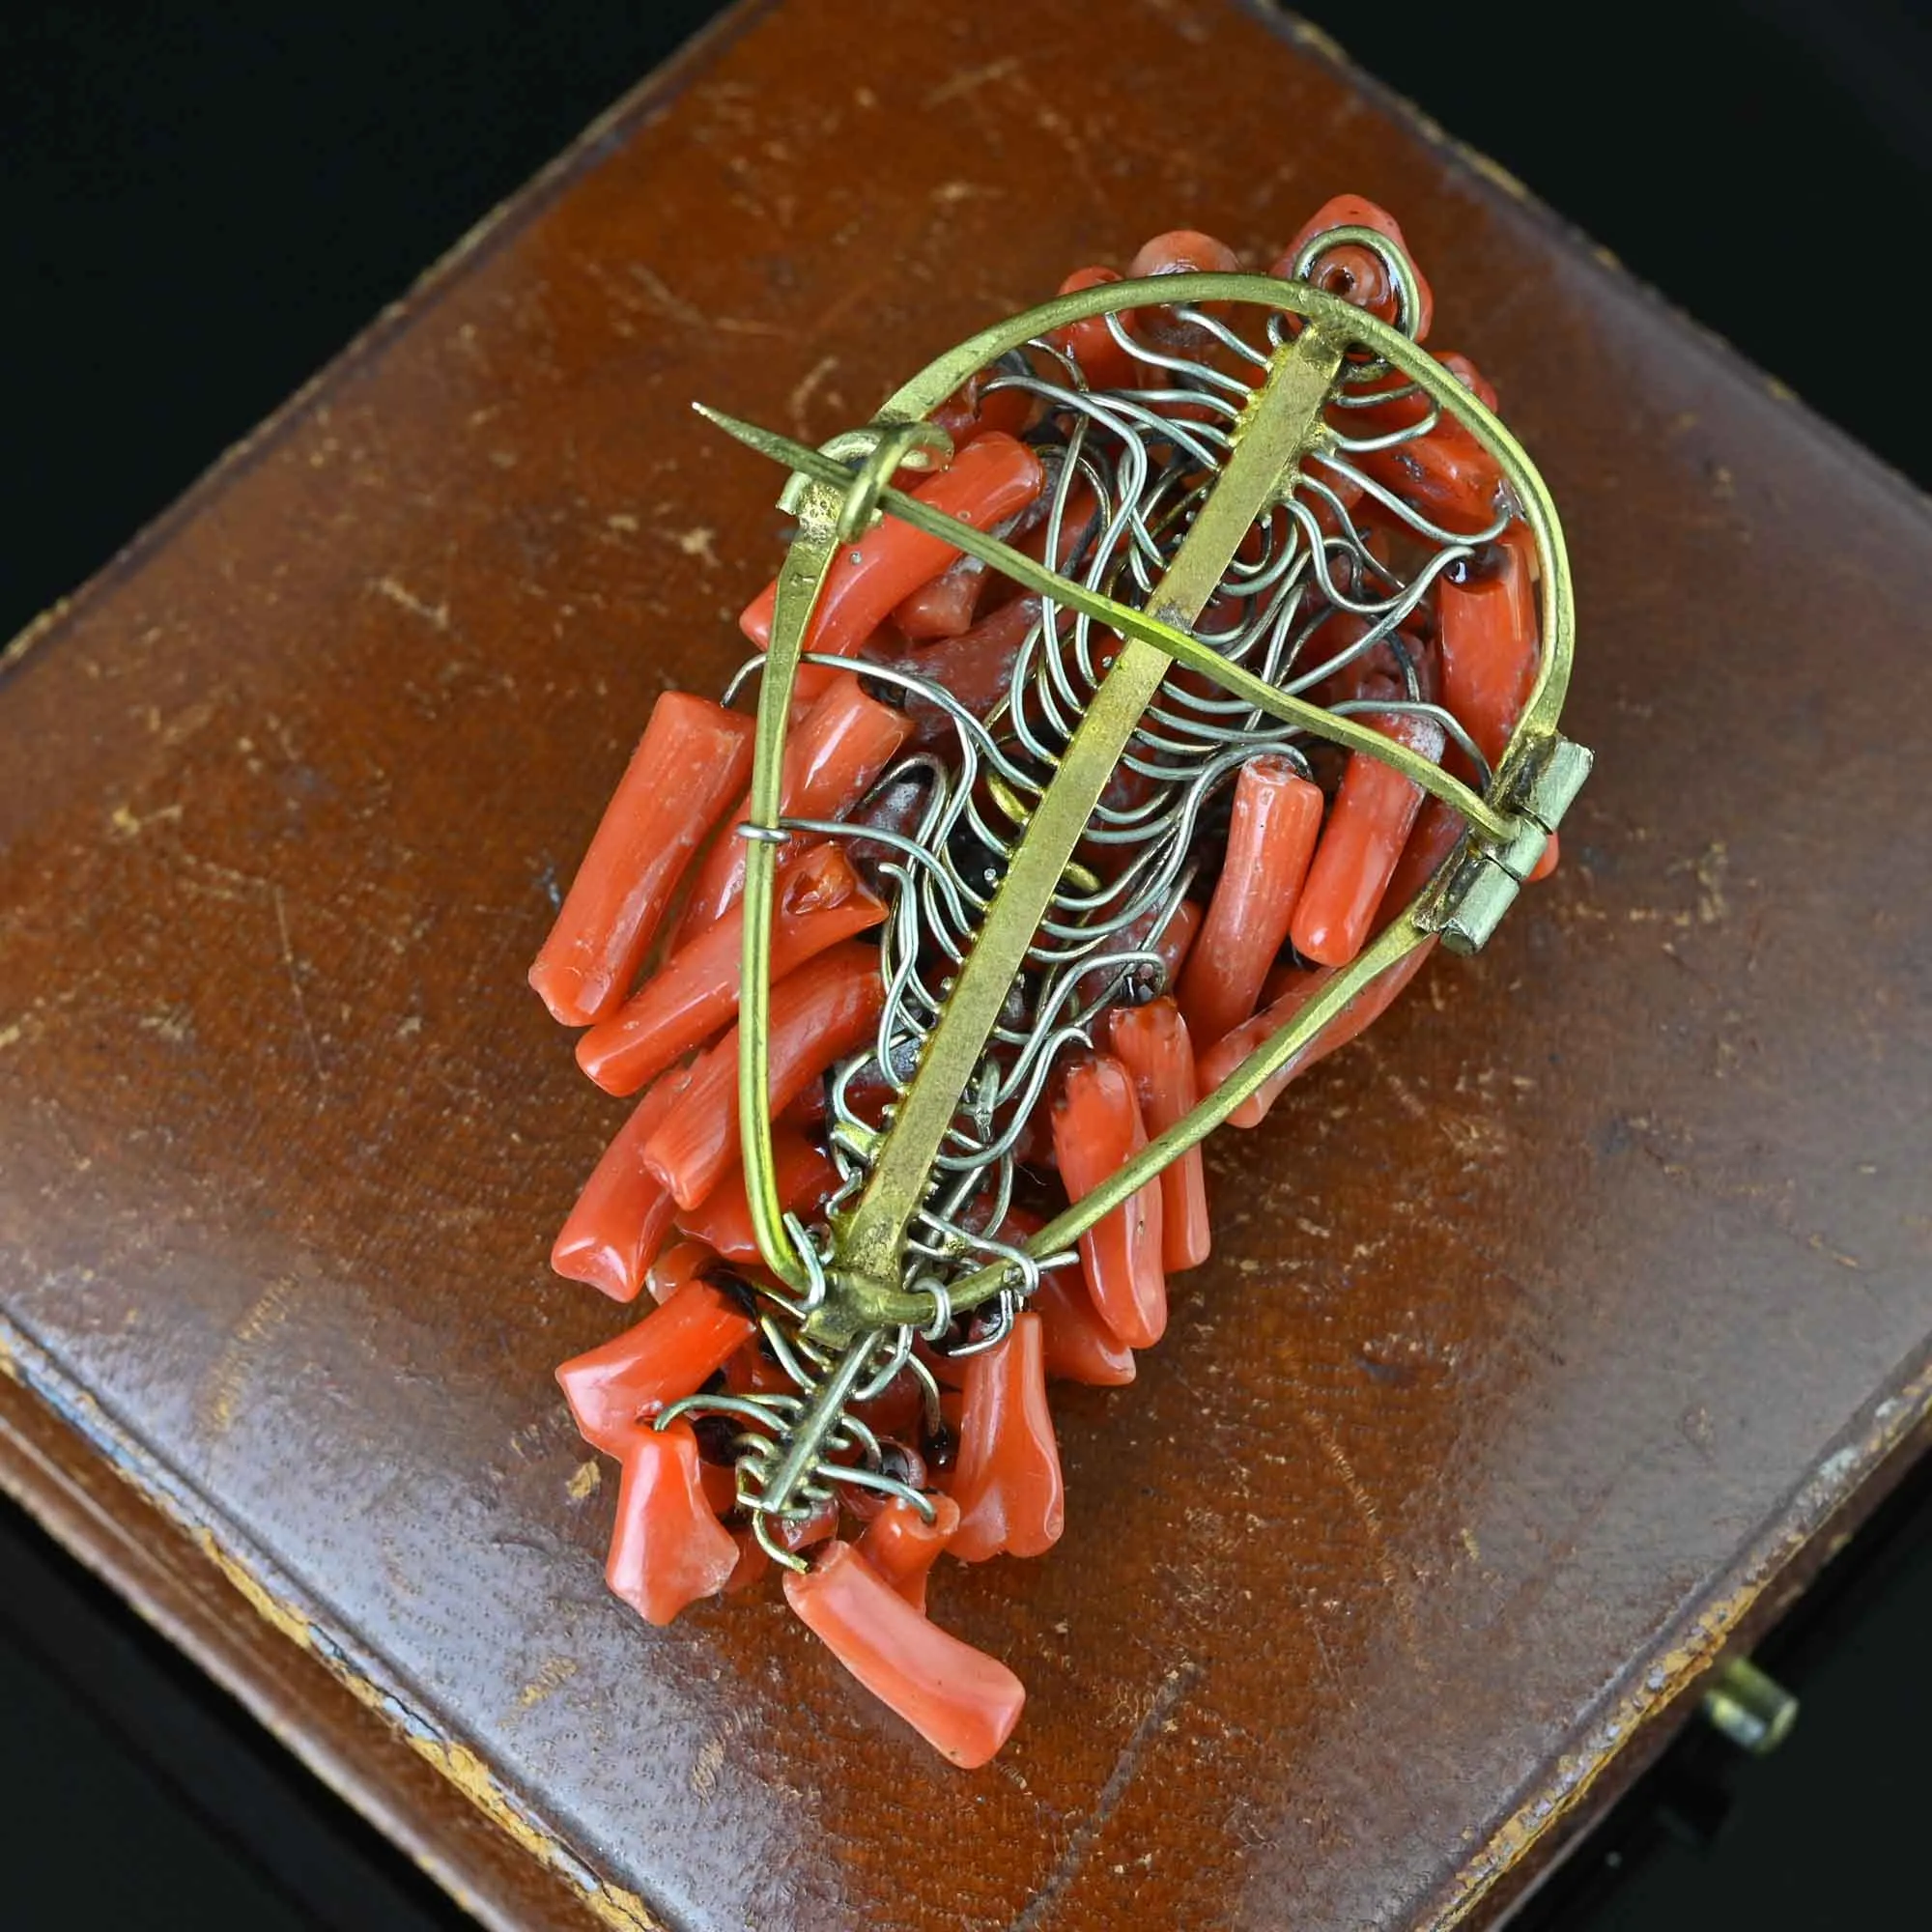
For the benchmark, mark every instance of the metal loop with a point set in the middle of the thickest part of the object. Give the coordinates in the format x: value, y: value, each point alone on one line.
x: 898, y: 444
x: 934, y: 1330
x: 1395, y: 261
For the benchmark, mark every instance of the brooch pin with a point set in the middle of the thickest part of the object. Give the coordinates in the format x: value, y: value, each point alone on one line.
x: 1145, y: 691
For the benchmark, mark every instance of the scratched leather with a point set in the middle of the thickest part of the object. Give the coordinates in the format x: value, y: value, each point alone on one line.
x: 1542, y: 1328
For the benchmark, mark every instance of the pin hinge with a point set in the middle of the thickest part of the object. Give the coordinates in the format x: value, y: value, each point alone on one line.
x: 1482, y: 885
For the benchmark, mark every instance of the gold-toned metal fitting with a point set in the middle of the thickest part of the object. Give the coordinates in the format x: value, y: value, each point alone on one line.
x: 1553, y: 776
x: 1477, y: 894
x: 1400, y: 270
x: 1521, y: 856
x: 1750, y: 1707
x: 879, y: 451
x: 894, y: 447
x: 845, y: 1314
x: 855, y: 1135
x: 1484, y: 884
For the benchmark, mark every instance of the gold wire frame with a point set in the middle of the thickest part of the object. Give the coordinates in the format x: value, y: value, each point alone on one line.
x: 839, y: 491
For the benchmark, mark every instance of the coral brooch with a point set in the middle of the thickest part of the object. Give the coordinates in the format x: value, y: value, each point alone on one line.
x: 1145, y: 691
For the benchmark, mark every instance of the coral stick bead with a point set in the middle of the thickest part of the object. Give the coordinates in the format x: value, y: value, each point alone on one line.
x: 942, y: 608
x: 1180, y: 251
x: 1487, y: 627
x: 1176, y: 927
x: 676, y: 1266
x: 1367, y: 1007
x: 1176, y: 939
x: 831, y: 758
x: 1155, y: 1043
x: 751, y: 1565
x: 991, y: 478
x: 947, y: 1370
x: 1445, y: 473
x: 1439, y: 830
x: 797, y: 1533
x: 720, y: 1483
x: 667, y: 1357
x: 668, y: 1548
x: 1471, y: 379
x: 845, y: 741
x: 1096, y: 1130
x: 819, y: 900
x: 898, y: 1411
x: 1368, y: 826
x: 824, y: 1010
x: 722, y: 1220
x: 1388, y: 403
x: 961, y: 1701
x: 976, y: 408
x: 613, y: 1232
x: 1355, y: 273
x: 1077, y: 1345
x: 1079, y: 518
x: 1006, y: 1478
x: 947, y: 605
x: 1348, y: 671
x: 1272, y: 835
x: 1102, y: 359
x: 975, y: 668
x: 692, y: 759
x: 902, y: 1546
x: 752, y: 1372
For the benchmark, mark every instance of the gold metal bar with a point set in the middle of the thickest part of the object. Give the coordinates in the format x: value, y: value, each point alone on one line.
x: 1144, y: 627
x: 1285, y: 413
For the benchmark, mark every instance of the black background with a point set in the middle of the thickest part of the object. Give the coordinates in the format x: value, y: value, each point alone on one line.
x: 199, y: 203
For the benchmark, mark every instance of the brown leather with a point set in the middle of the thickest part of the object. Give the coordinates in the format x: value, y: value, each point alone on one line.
x: 1547, y: 1331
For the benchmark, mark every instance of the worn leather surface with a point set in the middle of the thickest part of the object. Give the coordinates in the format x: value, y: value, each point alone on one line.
x: 1546, y: 1327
